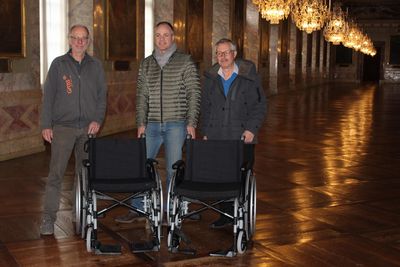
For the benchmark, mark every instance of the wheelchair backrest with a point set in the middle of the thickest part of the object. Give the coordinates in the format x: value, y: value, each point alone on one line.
x: 214, y: 161
x: 117, y: 158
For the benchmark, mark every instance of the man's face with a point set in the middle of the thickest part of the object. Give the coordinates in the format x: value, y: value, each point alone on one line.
x: 79, y: 40
x: 225, y: 56
x: 163, y: 37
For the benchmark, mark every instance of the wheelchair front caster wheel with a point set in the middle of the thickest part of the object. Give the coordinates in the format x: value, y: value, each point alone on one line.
x: 173, y: 241
x: 241, y: 242
x: 89, y: 239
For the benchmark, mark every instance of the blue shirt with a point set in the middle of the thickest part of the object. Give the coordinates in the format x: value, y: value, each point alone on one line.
x: 227, y: 83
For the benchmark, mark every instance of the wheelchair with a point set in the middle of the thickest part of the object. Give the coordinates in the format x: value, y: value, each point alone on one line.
x: 117, y: 170
x: 214, y: 172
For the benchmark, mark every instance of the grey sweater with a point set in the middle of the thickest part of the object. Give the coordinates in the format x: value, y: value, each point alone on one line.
x: 74, y: 94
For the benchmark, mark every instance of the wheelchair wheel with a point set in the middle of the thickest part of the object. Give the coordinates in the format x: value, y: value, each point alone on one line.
x: 252, y: 212
x: 170, y: 199
x: 157, y: 214
x: 89, y: 239
x: 241, y: 242
x: 158, y: 203
x: 80, y: 204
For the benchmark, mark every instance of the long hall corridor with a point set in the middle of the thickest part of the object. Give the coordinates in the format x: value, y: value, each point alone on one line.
x: 327, y: 168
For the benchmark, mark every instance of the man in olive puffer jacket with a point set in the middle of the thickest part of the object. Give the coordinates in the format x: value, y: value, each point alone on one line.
x: 167, y: 101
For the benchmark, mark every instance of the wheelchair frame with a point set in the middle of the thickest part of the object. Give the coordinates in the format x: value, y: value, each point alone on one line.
x: 244, y: 217
x: 87, y: 214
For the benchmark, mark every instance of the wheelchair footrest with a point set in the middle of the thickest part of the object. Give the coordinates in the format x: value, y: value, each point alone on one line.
x: 144, y: 246
x: 223, y: 253
x: 108, y: 249
x: 187, y: 251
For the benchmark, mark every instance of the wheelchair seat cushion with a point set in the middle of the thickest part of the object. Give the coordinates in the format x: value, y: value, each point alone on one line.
x: 128, y: 185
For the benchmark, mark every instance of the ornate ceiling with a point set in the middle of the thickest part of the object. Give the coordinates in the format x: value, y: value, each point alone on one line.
x: 372, y: 9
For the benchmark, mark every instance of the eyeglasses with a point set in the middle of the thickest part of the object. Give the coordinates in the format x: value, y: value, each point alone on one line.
x: 223, y: 54
x: 79, y: 39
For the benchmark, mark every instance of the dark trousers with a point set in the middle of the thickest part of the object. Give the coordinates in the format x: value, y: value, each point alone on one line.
x: 65, y: 139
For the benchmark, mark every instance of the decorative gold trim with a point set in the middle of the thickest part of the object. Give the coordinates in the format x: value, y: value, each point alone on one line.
x: 20, y: 52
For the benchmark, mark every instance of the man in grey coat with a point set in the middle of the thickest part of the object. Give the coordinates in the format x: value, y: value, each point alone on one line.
x: 74, y: 105
x: 233, y: 104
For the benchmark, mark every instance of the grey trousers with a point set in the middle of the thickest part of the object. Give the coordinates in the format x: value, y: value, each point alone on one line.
x: 65, y: 139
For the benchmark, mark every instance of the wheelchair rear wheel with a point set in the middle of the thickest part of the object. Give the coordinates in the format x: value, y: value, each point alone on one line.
x: 252, y: 207
x: 80, y: 204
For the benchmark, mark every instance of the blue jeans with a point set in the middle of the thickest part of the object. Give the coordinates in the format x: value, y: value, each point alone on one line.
x: 172, y: 135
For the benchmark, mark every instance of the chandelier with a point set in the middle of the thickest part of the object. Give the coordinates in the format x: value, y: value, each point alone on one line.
x: 336, y: 28
x: 273, y: 10
x: 310, y: 15
x: 353, y: 37
x: 367, y: 47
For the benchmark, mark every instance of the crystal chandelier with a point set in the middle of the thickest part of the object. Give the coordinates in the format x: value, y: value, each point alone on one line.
x: 336, y: 28
x: 353, y: 37
x: 273, y: 10
x: 367, y: 47
x: 310, y: 15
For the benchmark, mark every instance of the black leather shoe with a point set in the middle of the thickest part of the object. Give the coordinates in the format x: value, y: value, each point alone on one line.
x: 195, y: 217
x: 221, y: 222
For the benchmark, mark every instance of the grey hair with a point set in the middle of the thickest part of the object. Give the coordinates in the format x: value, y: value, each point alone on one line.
x: 226, y: 41
x: 79, y: 26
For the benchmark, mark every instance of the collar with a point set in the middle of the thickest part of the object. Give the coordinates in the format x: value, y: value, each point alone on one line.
x: 235, y: 70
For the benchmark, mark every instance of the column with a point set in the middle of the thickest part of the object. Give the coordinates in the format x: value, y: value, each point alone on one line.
x: 273, y: 59
x: 292, y: 53
x: 251, y: 34
x: 304, y: 56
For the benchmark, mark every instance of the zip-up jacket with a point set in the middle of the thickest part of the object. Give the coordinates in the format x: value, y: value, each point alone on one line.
x: 74, y: 94
x: 244, y: 108
x: 168, y: 94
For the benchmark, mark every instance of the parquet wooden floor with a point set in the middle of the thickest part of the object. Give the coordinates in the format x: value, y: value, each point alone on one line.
x: 328, y: 181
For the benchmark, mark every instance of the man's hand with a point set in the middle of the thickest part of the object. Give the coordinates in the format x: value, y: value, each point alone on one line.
x: 94, y: 127
x: 248, y: 136
x: 192, y: 131
x: 140, y: 131
x: 47, y: 135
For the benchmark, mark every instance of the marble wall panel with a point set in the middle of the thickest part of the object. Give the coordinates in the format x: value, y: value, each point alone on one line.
x: 163, y: 11
x: 220, y: 23
x: 19, y: 123
x: 81, y: 12
x: 251, y: 32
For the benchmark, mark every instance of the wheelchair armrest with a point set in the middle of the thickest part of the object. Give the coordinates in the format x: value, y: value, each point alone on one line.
x: 151, y: 161
x: 246, y: 166
x: 86, y: 163
x: 179, y: 165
